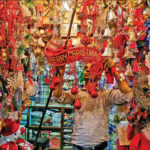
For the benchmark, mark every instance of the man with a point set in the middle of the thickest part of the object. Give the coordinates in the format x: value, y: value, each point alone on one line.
x: 91, y: 120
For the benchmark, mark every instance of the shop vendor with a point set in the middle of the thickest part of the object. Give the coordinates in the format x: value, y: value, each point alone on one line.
x: 91, y: 118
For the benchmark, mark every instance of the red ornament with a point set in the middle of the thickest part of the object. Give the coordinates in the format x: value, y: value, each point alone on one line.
x: 77, y: 104
x: 90, y: 90
x: 54, y: 82
x: 94, y: 94
x: 135, y: 67
x: 145, y: 115
x: 74, y: 90
x: 85, y: 40
x: 47, y: 79
x: 0, y: 105
x: 23, y: 107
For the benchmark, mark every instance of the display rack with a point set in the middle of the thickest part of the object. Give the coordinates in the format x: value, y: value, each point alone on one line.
x: 59, y: 129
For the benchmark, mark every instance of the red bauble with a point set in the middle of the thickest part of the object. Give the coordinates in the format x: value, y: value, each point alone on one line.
x: 90, y: 89
x: 94, y: 94
x: 0, y: 105
x: 77, y: 104
x: 47, y: 79
x: 74, y: 90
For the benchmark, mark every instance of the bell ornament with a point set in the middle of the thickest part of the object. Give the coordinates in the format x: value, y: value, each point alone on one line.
x: 108, y: 52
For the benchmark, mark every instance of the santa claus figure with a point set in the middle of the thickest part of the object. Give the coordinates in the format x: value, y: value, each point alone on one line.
x: 10, y: 137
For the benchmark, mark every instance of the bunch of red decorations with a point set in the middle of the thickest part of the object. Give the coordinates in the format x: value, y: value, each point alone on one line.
x: 137, y: 115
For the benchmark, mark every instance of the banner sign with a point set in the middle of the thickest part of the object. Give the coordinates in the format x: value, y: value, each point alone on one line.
x: 67, y: 56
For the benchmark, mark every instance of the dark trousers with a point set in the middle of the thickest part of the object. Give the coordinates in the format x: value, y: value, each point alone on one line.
x: 100, y: 146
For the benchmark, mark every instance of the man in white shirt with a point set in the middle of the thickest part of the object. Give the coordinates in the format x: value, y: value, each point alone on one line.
x: 91, y: 120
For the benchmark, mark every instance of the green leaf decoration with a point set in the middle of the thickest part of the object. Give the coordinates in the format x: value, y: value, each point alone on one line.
x: 21, y: 49
x: 28, y: 37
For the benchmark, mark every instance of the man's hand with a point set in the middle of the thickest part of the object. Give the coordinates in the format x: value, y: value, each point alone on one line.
x: 58, y: 91
x: 108, y: 63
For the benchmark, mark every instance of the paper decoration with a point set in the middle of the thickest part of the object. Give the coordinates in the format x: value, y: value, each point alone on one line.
x: 13, y: 115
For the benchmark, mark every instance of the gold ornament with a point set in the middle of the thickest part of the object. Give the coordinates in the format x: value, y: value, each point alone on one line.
x: 42, y: 31
x: 33, y: 20
x: 41, y: 43
x: 37, y: 51
x: 128, y: 71
x: 4, y: 54
x: 128, y: 53
x: 40, y: 61
x: 146, y: 14
x: 37, y: 34
x: 132, y: 37
x: 130, y: 21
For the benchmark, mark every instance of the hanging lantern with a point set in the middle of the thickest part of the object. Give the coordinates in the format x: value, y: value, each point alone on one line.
x: 107, y: 32
x: 108, y: 52
x: 128, y: 71
x: 111, y: 16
